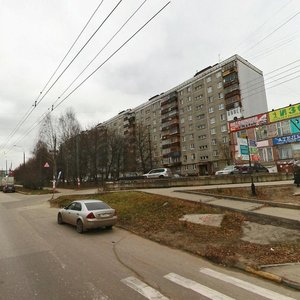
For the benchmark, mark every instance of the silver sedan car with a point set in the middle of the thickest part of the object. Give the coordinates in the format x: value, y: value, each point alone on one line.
x: 87, y: 214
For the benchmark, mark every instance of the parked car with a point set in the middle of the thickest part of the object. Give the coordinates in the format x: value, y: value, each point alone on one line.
x: 232, y: 169
x: 131, y: 176
x: 159, y: 173
x: 256, y: 168
x: 87, y: 214
x: 9, y: 188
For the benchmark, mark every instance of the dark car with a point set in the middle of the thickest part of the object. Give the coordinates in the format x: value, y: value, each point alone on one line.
x: 256, y: 168
x: 9, y: 188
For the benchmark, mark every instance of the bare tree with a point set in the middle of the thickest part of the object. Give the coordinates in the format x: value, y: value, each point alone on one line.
x: 144, y: 147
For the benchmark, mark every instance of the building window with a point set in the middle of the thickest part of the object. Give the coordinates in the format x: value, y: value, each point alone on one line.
x: 210, y: 110
x: 198, y: 107
x: 192, y: 146
x: 208, y: 79
x: 201, y: 126
x: 283, y: 128
x: 265, y: 154
x: 204, y: 147
x: 193, y: 156
x: 200, y: 117
x: 221, y: 106
x: 225, y: 140
x: 210, y: 99
x: 218, y: 74
x: 189, y: 98
x: 191, y: 136
x: 183, y: 138
x: 215, y: 153
x: 191, y: 127
x: 190, y: 118
x: 219, y: 85
x: 212, y: 120
x: 214, y: 142
x: 182, y: 129
x: 198, y: 97
x: 198, y: 87
x: 182, y: 120
x: 213, y: 131
x: 202, y: 137
x: 189, y: 88
x: 220, y: 95
x: 223, y: 117
x: 223, y: 128
x: 209, y: 89
x: 189, y: 108
x: 181, y: 101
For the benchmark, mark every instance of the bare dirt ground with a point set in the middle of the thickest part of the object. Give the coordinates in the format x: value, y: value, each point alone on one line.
x: 280, y: 194
x: 233, y: 240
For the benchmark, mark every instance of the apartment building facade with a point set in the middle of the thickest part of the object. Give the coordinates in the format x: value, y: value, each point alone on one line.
x: 188, y: 124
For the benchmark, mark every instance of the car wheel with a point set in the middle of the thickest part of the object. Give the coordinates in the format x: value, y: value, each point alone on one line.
x: 60, y: 219
x: 161, y: 176
x: 109, y: 227
x: 79, y: 226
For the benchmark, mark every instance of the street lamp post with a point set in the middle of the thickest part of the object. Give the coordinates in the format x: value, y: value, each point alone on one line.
x: 250, y: 166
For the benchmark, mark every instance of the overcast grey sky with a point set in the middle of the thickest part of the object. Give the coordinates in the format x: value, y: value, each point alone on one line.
x: 187, y: 36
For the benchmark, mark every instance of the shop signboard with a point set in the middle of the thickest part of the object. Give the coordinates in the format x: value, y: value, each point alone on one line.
x: 280, y: 114
x: 295, y: 138
x: 254, y: 121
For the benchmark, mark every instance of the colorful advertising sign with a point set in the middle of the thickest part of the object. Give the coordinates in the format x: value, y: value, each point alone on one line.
x: 295, y: 125
x: 286, y: 139
x: 284, y: 113
x: 248, y: 122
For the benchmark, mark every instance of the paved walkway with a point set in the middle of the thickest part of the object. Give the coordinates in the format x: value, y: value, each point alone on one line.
x: 288, y: 274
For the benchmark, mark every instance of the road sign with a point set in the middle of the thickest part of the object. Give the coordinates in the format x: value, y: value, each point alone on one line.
x: 46, y: 165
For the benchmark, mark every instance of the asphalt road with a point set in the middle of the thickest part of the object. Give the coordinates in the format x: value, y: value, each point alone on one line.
x: 40, y: 259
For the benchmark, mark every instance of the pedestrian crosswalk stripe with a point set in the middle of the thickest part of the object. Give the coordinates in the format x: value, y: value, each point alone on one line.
x: 144, y: 289
x: 196, y: 287
x: 268, y: 294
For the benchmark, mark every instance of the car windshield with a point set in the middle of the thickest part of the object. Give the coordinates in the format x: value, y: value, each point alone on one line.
x: 96, y: 206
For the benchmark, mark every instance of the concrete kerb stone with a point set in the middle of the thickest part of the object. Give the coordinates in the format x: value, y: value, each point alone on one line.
x: 268, y: 276
x: 264, y: 202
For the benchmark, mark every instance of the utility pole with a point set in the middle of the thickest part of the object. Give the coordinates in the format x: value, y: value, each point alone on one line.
x: 250, y: 166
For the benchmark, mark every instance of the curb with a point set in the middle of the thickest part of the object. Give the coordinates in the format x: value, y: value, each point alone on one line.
x: 268, y: 276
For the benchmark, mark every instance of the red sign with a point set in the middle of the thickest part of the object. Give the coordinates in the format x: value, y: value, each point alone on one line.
x: 46, y: 165
x: 248, y: 122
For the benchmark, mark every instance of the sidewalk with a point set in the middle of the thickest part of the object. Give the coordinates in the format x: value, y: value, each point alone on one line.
x: 287, y: 274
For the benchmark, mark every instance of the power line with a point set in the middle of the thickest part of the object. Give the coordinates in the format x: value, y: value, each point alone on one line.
x: 90, y: 38
x: 145, y: 24
x: 50, y: 109
x: 37, y: 101
x: 110, y: 40
x: 272, y: 32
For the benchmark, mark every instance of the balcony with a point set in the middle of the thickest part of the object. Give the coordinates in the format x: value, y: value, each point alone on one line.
x: 230, y: 82
x: 233, y: 94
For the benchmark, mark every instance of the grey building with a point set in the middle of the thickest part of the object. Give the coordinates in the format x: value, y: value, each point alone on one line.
x: 188, y: 124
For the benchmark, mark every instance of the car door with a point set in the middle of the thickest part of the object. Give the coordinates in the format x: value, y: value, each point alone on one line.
x: 74, y: 213
x: 68, y: 211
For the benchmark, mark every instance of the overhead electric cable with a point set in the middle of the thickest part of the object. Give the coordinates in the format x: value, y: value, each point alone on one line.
x: 50, y: 109
x: 90, y: 38
x: 110, y: 40
x: 30, y: 110
x: 129, y: 39
x: 271, y: 33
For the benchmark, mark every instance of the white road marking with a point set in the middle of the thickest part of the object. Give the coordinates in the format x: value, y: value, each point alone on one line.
x: 197, y: 287
x: 144, y: 289
x: 245, y: 285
